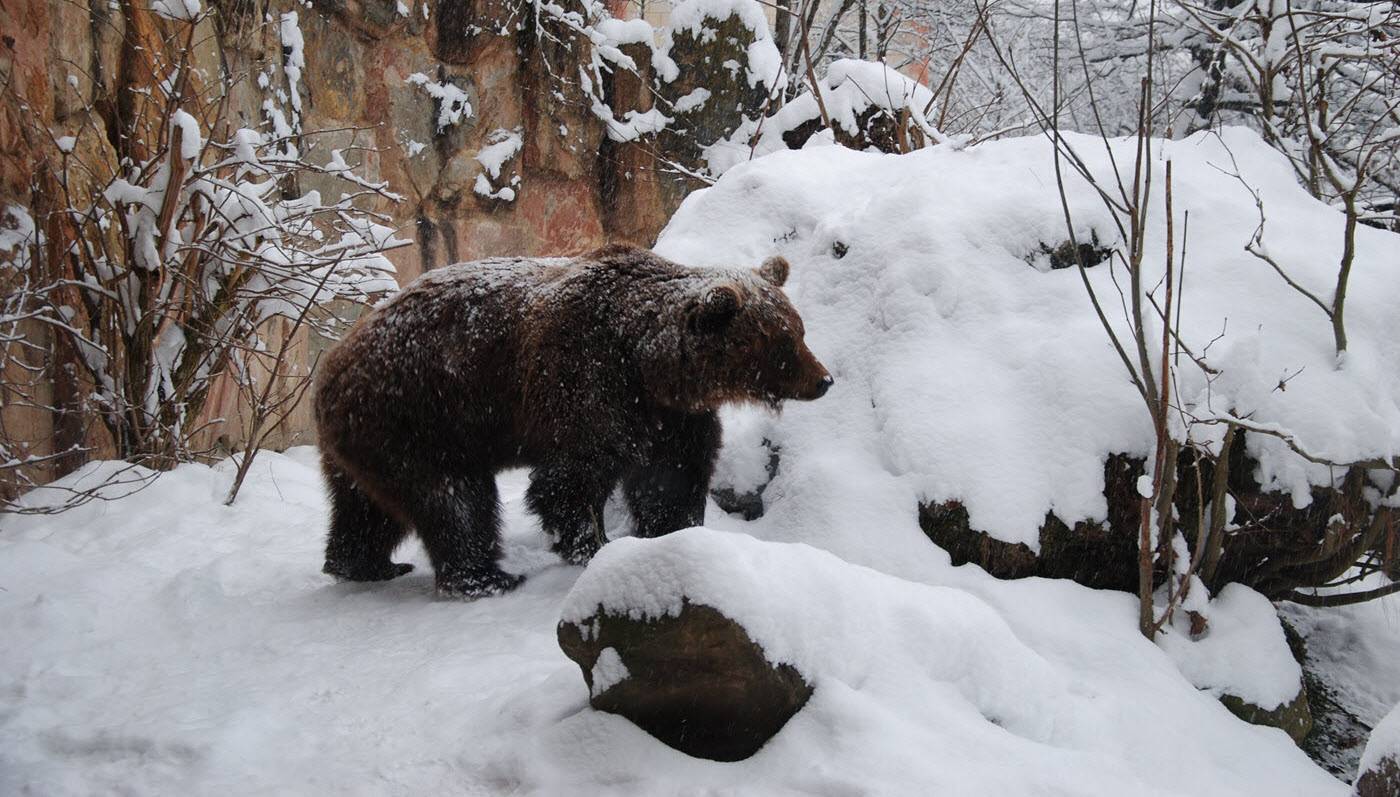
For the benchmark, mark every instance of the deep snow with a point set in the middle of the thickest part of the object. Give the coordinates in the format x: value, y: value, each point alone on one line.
x: 166, y: 644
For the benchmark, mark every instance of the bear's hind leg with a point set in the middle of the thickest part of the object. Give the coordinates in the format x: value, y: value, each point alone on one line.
x: 569, y: 500
x: 459, y: 523
x: 362, y: 536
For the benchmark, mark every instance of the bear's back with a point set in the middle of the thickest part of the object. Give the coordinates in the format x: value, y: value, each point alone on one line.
x: 440, y: 355
x: 477, y: 284
x: 460, y: 307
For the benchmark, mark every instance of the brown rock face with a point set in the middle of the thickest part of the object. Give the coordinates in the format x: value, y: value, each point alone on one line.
x: 359, y: 55
x: 1099, y: 555
x: 695, y: 681
x: 1293, y: 718
x: 1382, y: 780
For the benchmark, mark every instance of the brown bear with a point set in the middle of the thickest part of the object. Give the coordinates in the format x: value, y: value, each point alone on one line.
x: 605, y: 368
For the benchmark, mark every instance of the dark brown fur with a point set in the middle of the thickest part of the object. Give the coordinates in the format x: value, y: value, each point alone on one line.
x: 592, y: 371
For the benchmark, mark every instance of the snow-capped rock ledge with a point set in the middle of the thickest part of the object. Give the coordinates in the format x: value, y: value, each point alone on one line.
x: 968, y: 370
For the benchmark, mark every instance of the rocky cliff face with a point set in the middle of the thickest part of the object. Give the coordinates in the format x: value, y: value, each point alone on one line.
x: 379, y: 73
x: 359, y: 59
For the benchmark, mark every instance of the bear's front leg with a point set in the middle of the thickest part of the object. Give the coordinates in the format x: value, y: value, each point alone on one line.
x: 568, y: 498
x: 667, y: 491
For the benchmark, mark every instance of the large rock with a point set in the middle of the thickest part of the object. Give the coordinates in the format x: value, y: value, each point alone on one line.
x: 1272, y: 546
x: 1293, y: 718
x: 1383, y: 780
x: 1099, y: 554
x: 695, y: 680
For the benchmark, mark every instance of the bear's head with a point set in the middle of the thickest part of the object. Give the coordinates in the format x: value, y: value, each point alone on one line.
x: 746, y: 342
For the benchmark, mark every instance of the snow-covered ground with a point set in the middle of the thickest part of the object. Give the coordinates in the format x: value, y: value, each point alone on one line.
x: 167, y: 644
x: 1354, y: 653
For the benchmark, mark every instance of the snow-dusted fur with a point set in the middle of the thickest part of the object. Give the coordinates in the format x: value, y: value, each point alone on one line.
x: 590, y: 371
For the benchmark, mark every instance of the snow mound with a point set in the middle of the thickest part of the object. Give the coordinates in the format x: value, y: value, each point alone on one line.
x: 1245, y: 653
x: 163, y: 643
x: 969, y: 374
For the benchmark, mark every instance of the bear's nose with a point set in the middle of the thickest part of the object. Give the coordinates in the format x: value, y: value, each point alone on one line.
x: 824, y: 385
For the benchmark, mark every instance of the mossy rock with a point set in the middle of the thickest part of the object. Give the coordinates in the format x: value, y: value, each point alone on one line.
x: 1293, y: 718
x: 706, y: 61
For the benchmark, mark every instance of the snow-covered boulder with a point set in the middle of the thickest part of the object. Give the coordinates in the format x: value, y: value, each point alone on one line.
x: 695, y: 679
x: 653, y: 623
x: 969, y: 369
x: 916, y: 681
x: 1379, y: 775
x: 1244, y: 659
x: 969, y: 373
x: 868, y: 105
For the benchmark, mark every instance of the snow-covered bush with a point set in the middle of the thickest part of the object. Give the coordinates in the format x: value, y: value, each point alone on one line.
x: 858, y: 104
x: 196, y: 256
x: 1318, y: 79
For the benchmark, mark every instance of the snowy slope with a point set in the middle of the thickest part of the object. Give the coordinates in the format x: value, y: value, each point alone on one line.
x: 165, y: 644
x: 969, y: 374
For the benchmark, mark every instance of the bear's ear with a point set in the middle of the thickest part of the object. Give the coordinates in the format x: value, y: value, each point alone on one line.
x: 715, y: 309
x: 775, y: 270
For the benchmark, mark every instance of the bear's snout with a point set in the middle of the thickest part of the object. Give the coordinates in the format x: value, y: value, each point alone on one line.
x: 816, y: 384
